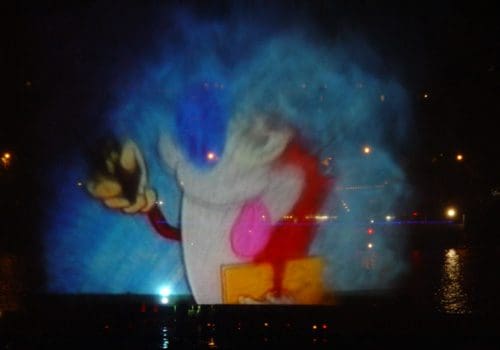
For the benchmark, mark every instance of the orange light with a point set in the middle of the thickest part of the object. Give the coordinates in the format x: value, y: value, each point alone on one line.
x: 451, y: 213
x: 460, y: 157
x: 367, y: 150
x: 211, y: 156
x: 5, y: 159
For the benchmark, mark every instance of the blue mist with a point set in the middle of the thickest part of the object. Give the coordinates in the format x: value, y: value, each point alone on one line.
x: 198, y: 73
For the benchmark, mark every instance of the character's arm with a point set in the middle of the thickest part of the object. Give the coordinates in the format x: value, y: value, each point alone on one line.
x: 161, y: 225
x: 120, y: 182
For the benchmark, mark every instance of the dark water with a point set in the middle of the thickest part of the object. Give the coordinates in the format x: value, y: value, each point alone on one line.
x: 458, y: 280
x: 449, y: 293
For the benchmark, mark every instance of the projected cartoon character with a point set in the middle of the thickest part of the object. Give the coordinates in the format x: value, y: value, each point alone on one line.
x: 244, y: 228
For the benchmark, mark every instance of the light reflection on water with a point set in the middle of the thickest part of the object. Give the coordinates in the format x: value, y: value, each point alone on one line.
x: 164, y: 337
x: 452, y: 294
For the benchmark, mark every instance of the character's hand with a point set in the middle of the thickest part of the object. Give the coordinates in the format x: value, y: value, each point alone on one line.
x: 121, y: 181
x: 269, y: 298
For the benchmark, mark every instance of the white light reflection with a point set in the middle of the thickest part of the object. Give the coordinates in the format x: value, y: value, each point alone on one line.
x: 452, y: 295
x: 165, y: 292
x: 164, y: 337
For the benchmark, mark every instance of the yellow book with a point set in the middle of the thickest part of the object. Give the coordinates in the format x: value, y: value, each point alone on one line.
x: 302, y: 281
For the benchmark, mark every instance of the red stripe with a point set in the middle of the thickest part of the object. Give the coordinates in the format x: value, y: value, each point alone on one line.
x: 291, y: 240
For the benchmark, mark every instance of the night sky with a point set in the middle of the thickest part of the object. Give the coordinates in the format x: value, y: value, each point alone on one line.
x: 62, y: 65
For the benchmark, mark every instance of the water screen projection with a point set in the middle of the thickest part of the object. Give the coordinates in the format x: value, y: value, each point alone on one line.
x: 239, y: 163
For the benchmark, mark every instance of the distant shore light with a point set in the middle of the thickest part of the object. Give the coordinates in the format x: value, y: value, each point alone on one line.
x: 451, y: 212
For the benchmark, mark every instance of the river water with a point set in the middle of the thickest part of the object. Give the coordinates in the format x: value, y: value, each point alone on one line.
x: 449, y: 290
x: 461, y: 280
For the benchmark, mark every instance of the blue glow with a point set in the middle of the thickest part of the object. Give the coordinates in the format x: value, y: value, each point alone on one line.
x: 91, y: 249
x: 201, y: 120
x: 330, y: 91
x: 165, y: 291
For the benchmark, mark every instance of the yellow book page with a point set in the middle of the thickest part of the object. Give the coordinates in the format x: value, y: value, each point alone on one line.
x: 302, y: 281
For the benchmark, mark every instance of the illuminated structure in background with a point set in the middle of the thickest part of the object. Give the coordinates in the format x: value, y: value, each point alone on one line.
x: 236, y: 247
